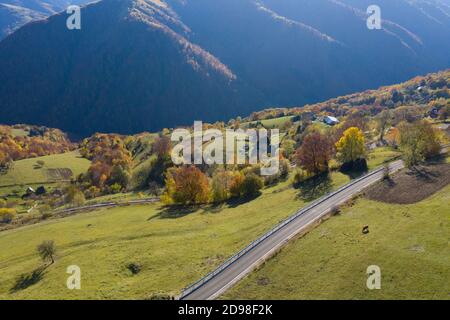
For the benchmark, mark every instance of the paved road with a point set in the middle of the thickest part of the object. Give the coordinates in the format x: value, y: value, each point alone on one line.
x: 224, y: 279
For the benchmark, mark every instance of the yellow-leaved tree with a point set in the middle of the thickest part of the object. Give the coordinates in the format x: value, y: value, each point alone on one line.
x: 351, y: 146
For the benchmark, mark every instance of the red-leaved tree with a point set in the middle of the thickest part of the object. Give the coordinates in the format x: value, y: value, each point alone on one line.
x: 315, y: 153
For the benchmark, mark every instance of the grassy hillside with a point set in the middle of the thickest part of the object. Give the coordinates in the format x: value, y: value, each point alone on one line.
x: 28, y: 172
x: 173, y: 248
x: 379, y: 156
x: 408, y: 242
x: 270, y: 123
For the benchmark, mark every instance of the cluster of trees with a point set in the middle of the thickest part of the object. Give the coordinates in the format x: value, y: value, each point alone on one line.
x: 317, y: 150
x: 419, y: 141
x: 40, y: 143
x: 269, y: 114
x: 439, y: 108
x: 188, y: 185
x: 151, y: 173
x: 111, y: 164
x: 431, y: 92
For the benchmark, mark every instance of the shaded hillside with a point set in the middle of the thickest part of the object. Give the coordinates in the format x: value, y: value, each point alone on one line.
x: 299, y: 52
x: 147, y: 64
x: 16, y: 13
x: 125, y: 71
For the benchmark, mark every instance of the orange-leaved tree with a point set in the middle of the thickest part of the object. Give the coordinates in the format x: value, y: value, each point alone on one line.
x: 186, y: 185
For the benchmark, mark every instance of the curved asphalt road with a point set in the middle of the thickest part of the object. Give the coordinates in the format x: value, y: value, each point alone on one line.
x: 219, y: 283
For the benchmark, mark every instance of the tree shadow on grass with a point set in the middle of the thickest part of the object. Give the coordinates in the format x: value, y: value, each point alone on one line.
x: 439, y: 159
x: 179, y: 211
x: 236, y: 202
x: 423, y: 174
x: 355, y: 169
x: 389, y: 182
x: 355, y: 174
x: 174, y: 212
x: 314, y: 188
x: 215, y: 208
x: 231, y: 203
x: 26, y: 280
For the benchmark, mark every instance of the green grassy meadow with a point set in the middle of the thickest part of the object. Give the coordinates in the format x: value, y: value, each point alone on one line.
x: 410, y: 243
x: 26, y: 172
x: 174, y: 248
x: 380, y: 156
x: 271, y: 123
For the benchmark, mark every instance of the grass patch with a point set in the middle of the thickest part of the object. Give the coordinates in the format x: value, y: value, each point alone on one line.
x: 25, y: 172
x: 19, y: 132
x: 380, y: 156
x: 408, y: 242
x: 270, y: 123
x: 172, y: 249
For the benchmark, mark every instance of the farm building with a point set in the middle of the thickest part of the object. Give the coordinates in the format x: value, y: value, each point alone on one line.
x: 331, y: 121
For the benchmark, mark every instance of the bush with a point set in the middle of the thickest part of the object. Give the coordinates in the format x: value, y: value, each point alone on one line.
x: 92, y: 192
x: 74, y: 196
x: 115, y: 188
x: 134, y: 268
x: 252, y: 185
x: 335, y: 210
x: 300, y: 176
x: 7, y: 215
x: 386, y: 172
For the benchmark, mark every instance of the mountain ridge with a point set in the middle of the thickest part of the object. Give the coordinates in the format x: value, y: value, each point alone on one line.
x: 168, y: 63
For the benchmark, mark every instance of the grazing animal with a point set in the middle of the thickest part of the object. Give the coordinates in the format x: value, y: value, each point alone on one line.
x: 365, y: 230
